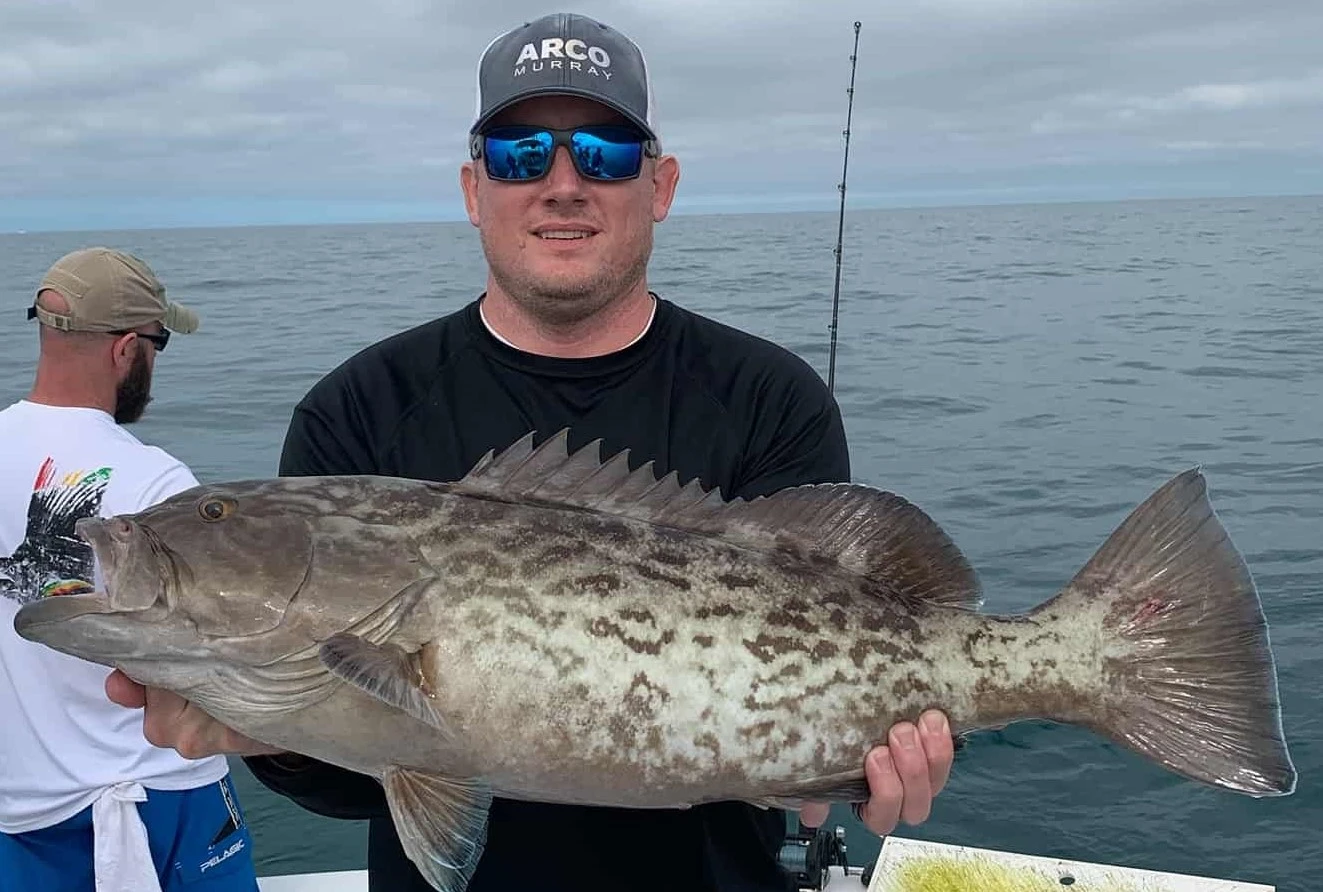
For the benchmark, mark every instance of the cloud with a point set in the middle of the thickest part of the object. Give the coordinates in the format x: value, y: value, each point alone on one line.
x: 346, y: 102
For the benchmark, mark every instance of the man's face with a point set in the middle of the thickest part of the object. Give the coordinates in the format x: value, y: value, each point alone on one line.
x: 563, y: 247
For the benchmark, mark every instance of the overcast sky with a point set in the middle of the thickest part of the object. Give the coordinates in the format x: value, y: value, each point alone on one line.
x: 151, y: 113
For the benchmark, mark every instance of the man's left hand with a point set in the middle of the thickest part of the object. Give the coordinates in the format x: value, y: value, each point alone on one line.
x: 903, y: 777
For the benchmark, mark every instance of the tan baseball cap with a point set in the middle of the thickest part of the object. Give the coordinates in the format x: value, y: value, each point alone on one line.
x: 110, y: 290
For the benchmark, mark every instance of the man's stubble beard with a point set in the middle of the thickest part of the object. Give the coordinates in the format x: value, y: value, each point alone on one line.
x: 562, y: 304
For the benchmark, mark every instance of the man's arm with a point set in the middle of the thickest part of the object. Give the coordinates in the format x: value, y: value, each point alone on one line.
x: 805, y: 443
x: 316, y: 443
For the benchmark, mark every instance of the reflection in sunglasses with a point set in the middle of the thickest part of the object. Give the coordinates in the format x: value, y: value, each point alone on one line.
x: 605, y: 153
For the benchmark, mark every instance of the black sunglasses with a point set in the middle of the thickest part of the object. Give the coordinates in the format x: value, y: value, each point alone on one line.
x: 158, y: 340
x: 522, y: 154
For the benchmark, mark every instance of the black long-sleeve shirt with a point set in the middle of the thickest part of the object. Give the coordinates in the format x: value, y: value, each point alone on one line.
x: 692, y: 395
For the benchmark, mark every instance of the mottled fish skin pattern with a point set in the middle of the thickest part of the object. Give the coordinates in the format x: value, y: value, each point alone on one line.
x: 653, y: 667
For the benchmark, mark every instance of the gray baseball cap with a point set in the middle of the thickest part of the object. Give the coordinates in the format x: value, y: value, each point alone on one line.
x: 569, y: 55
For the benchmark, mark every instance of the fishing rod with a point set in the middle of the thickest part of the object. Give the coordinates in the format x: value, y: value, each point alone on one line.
x: 840, y: 226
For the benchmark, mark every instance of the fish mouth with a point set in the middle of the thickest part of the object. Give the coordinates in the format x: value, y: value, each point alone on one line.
x: 139, y: 570
x: 58, y: 610
x: 106, y: 625
x: 112, y: 543
x: 85, y: 626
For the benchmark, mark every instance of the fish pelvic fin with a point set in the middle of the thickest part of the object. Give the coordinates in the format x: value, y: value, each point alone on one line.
x: 1190, y: 679
x: 385, y: 671
x: 867, y: 531
x: 442, y: 823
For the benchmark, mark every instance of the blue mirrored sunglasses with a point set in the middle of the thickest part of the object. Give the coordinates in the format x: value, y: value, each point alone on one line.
x: 518, y: 154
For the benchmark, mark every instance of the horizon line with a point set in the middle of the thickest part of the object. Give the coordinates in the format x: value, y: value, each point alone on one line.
x: 683, y: 211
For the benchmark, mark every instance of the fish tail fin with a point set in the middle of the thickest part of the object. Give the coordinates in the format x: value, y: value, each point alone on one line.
x: 1190, y: 680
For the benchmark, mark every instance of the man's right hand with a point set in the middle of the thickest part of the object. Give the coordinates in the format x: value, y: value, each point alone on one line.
x: 170, y: 721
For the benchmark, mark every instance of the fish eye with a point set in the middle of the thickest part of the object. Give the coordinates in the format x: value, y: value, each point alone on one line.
x: 214, y: 509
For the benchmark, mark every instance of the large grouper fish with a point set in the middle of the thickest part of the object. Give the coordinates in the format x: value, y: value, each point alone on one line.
x: 554, y: 627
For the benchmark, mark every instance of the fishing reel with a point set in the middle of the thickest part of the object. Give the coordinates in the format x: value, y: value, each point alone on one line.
x: 807, y: 856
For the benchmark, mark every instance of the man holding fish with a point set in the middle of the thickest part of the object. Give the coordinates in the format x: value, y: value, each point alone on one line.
x: 567, y: 334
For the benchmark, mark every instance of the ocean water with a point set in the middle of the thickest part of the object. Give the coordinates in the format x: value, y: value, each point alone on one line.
x: 1027, y: 374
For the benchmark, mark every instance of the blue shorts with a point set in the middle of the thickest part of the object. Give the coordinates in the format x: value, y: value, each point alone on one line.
x: 198, y: 838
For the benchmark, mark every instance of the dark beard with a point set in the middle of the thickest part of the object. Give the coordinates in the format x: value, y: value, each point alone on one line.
x: 134, y: 392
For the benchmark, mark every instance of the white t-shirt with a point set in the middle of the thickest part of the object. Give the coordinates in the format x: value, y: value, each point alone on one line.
x: 61, y: 740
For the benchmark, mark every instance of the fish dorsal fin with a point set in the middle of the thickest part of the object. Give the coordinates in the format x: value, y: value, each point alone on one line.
x: 552, y: 474
x: 876, y: 534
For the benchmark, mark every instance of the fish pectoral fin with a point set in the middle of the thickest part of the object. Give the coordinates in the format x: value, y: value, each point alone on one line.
x: 831, y: 789
x: 441, y: 821
x: 386, y: 671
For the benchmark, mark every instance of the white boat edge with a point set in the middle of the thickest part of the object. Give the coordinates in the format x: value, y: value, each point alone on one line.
x: 356, y: 881
x: 895, y: 854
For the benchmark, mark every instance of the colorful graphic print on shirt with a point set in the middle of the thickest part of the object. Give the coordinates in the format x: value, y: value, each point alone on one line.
x: 52, y: 559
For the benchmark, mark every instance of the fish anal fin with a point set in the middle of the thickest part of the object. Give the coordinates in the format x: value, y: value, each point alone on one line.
x: 832, y: 789
x: 385, y: 671
x: 869, y: 532
x: 441, y: 821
